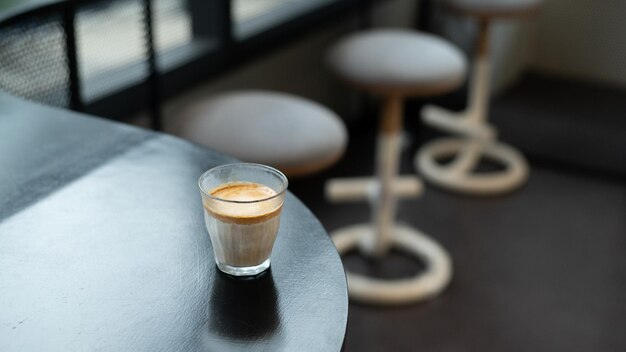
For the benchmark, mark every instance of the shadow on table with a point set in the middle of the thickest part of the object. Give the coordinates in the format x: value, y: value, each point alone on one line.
x: 244, y: 308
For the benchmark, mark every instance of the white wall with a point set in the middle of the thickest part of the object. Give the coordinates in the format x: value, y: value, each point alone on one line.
x: 299, y: 68
x: 511, y: 44
x: 582, y: 39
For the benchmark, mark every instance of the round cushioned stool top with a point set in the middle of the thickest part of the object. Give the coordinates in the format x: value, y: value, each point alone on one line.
x: 395, y: 61
x: 293, y: 134
x: 495, y: 8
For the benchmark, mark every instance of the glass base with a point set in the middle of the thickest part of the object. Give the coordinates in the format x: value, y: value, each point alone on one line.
x: 244, y: 270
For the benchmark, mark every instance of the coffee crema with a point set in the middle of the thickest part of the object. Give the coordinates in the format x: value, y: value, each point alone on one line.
x: 242, y: 203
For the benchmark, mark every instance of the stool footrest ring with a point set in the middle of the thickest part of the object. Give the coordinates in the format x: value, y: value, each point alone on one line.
x: 468, y: 180
x: 424, y: 285
x: 463, y: 123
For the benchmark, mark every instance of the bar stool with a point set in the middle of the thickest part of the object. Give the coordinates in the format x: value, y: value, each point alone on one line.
x: 394, y: 65
x: 293, y: 134
x: 477, y: 138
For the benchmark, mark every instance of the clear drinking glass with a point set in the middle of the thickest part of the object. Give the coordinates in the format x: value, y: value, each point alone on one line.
x: 242, y: 229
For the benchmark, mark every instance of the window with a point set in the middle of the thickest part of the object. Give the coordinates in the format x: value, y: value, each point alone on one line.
x: 111, y: 44
x: 194, y: 40
x: 253, y: 16
x: 110, y: 36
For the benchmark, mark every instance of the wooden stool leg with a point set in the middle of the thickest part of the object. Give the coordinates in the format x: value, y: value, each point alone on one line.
x: 387, y: 161
x: 481, y: 76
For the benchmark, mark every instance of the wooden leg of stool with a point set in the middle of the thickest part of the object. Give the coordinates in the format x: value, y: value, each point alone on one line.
x: 387, y: 161
x: 481, y: 76
x: 478, y: 108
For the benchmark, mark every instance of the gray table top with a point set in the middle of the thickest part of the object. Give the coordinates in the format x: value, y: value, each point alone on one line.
x: 103, y: 247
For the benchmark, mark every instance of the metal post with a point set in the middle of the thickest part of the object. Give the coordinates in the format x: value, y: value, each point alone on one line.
x: 424, y: 16
x: 364, y: 11
x: 69, y: 17
x: 153, y: 71
x: 212, y: 20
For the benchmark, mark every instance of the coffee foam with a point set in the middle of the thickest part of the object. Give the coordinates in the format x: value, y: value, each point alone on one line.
x: 243, y: 213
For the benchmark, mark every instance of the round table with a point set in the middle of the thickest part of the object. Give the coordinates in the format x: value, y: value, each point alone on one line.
x: 103, y: 247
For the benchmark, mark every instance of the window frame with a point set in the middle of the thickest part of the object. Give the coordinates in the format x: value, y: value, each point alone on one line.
x: 216, y: 52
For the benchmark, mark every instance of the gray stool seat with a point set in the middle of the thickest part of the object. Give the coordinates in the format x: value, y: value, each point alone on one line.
x: 396, y: 61
x: 290, y: 133
x: 495, y: 8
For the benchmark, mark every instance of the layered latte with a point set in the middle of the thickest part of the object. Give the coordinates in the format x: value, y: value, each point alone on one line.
x: 243, y: 220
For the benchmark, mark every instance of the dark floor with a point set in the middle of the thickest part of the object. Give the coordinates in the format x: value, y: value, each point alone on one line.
x: 565, y: 121
x: 540, y: 269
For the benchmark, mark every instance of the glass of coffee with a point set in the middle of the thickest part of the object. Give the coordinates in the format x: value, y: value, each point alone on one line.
x: 242, y: 205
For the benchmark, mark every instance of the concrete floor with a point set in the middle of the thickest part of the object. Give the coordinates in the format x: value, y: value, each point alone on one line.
x: 539, y: 269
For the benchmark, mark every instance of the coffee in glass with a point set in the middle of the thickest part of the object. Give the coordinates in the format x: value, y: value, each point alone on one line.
x: 242, y: 206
